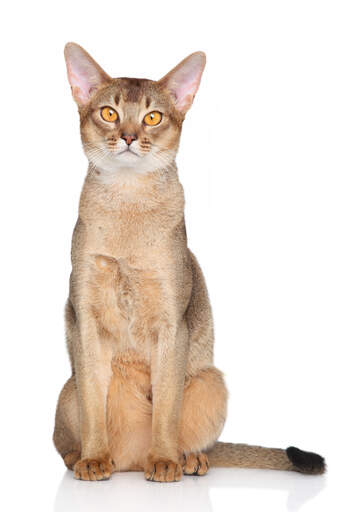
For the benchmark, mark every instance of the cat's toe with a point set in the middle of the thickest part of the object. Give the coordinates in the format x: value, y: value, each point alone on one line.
x: 196, y: 464
x: 163, y: 471
x: 94, y: 469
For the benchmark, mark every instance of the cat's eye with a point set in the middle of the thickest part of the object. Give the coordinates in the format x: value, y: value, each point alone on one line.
x: 109, y: 114
x: 153, y: 118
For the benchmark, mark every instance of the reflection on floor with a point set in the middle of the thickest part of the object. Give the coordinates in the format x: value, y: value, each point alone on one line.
x: 126, y: 491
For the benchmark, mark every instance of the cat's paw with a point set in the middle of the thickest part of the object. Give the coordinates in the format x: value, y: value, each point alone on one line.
x: 100, y: 468
x: 195, y: 464
x: 162, y: 471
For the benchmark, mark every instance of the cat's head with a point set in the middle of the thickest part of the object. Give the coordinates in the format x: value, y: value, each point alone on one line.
x: 130, y: 123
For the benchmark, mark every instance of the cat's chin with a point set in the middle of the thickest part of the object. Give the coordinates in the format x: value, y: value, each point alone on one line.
x: 127, y: 165
x: 114, y: 163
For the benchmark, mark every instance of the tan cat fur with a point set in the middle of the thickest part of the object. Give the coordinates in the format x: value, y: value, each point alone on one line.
x: 144, y: 394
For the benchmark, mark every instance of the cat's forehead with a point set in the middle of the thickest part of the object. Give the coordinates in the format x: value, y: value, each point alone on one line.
x: 134, y: 89
x: 140, y: 92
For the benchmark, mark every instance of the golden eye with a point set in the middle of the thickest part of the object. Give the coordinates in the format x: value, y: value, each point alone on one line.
x: 109, y: 114
x: 153, y: 118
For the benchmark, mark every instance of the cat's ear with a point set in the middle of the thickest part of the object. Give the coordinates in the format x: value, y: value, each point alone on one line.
x: 183, y: 81
x: 84, y: 74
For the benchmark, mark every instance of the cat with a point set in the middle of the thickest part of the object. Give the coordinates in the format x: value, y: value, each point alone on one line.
x: 144, y: 394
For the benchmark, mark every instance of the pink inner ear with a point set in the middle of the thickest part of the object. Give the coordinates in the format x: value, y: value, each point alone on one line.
x: 184, y: 80
x: 84, y: 74
x: 80, y: 84
x: 185, y: 92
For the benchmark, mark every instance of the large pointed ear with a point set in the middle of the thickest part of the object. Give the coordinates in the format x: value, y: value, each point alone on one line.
x: 84, y: 74
x: 183, y: 81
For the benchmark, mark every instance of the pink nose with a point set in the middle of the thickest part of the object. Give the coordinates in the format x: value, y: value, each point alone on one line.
x: 128, y: 138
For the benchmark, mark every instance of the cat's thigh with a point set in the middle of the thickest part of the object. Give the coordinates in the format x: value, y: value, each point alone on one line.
x: 203, y: 412
x: 129, y: 410
x: 67, y: 431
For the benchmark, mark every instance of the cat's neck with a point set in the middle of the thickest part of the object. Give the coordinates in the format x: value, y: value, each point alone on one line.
x: 126, y: 178
x: 122, y: 190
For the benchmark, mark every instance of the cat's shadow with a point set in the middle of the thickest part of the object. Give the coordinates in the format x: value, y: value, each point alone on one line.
x: 127, y: 491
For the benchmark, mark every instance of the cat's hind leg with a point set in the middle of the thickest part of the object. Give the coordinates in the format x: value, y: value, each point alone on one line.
x: 66, y: 434
x: 203, y: 411
x: 203, y: 418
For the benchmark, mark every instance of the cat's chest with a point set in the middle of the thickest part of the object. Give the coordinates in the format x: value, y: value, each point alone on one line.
x: 127, y: 303
x: 124, y: 236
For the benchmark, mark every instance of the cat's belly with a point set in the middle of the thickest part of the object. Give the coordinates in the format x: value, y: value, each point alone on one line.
x: 126, y: 305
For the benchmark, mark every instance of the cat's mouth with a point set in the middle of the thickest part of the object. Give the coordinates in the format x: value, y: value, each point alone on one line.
x: 127, y: 150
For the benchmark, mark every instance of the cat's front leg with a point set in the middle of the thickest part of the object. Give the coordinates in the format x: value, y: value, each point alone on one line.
x: 92, y: 361
x: 168, y: 374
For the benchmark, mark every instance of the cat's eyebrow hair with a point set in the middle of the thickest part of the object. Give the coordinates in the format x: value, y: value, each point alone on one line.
x: 117, y: 98
x: 147, y: 102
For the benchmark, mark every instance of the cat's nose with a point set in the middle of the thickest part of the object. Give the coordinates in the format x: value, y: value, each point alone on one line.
x: 129, y: 137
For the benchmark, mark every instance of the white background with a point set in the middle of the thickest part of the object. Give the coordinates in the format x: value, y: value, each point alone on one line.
x: 260, y: 164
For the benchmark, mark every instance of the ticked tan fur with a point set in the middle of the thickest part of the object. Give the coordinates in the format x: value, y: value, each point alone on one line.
x: 144, y: 393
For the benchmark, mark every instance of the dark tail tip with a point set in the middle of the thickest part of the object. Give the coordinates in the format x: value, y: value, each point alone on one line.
x: 306, y: 462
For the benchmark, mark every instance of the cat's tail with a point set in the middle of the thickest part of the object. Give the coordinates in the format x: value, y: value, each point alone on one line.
x: 230, y: 455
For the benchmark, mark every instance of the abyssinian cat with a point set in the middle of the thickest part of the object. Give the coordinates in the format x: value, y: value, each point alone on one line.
x: 144, y: 394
